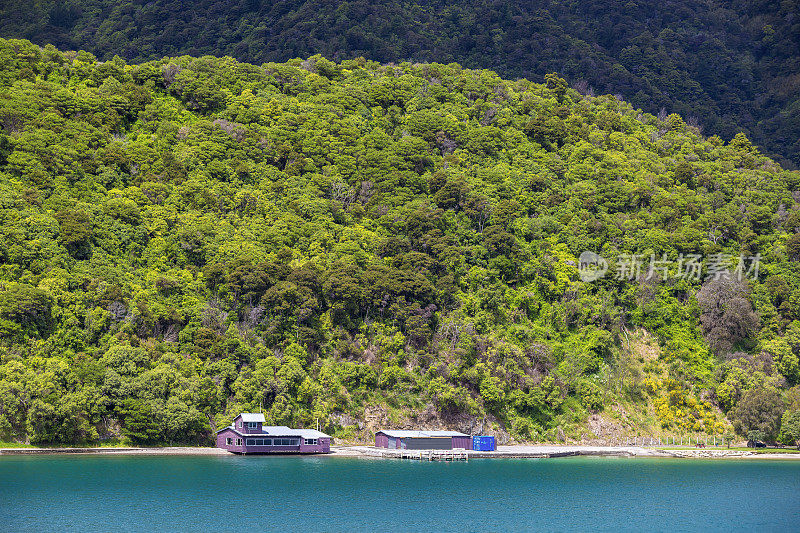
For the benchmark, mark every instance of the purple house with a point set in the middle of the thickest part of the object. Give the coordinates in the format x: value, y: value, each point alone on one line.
x: 422, y: 440
x: 248, y: 434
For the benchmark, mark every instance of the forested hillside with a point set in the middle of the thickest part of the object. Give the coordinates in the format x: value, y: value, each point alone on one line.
x: 354, y: 243
x: 728, y: 66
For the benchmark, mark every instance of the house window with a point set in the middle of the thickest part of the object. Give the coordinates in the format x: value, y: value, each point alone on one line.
x: 251, y: 442
x: 229, y: 441
x: 311, y: 442
x: 252, y: 425
x: 267, y: 442
x: 238, y: 442
x: 240, y: 424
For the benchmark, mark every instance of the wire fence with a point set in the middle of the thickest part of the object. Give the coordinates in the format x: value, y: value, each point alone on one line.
x: 652, y: 442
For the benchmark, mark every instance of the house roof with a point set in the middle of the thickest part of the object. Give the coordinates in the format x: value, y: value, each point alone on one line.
x: 279, y: 431
x: 253, y: 417
x: 283, y: 431
x: 311, y: 434
x: 417, y: 434
x: 276, y: 430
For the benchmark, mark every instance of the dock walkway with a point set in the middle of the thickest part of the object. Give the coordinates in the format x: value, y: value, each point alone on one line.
x: 508, y: 452
x: 421, y: 455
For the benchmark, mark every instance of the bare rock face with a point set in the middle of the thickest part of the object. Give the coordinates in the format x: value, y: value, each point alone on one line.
x: 345, y: 420
x: 376, y: 418
x: 430, y: 418
x: 108, y: 429
x: 605, y: 428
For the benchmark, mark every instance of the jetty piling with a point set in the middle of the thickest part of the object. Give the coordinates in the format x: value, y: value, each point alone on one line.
x: 427, y: 455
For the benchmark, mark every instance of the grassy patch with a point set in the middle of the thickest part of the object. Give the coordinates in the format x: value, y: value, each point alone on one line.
x: 4, y: 444
x: 733, y: 449
x: 768, y: 450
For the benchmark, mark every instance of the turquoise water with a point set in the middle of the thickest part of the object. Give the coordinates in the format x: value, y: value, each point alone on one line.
x: 106, y: 493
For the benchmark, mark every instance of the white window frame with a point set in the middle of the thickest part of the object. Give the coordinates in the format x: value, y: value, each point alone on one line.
x: 310, y: 442
x: 252, y: 425
x: 229, y: 441
x: 238, y: 442
x: 240, y: 424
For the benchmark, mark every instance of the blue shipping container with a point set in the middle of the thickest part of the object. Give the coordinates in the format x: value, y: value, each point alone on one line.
x: 483, y: 444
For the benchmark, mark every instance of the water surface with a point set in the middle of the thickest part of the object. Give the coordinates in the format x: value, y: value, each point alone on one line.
x: 223, y: 493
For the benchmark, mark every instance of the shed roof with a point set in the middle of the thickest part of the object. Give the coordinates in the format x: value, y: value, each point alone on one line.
x: 253, y: 417
x: 417, y: 434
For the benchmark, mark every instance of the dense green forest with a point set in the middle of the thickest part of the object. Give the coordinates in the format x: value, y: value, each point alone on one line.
x: 728, y: 66
x: 356, y: 244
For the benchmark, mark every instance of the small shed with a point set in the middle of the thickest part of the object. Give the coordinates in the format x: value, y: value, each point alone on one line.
x: 401, y: 439
x: 483, y: 443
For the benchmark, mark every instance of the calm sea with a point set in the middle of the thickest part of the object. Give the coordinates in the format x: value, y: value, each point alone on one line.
x: 102, y: 493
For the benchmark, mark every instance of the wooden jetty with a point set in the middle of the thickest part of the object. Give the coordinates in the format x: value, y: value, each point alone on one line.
x: 421, y: 455
x: 435, y: 455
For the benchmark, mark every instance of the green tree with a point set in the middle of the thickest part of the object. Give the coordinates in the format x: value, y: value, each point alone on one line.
x: 139, y: 422
x: 759, y: 410
x: 793, y: 247
x: 27, y: 306
x: 790, y: 427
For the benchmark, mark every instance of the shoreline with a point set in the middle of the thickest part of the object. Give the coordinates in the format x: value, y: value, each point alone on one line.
x: 503, y: 452
x: 555, y: 451
x: 166, y: 450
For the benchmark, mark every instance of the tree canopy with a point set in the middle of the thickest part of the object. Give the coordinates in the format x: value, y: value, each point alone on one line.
x: 349, y: 242
x: 728, y: 66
